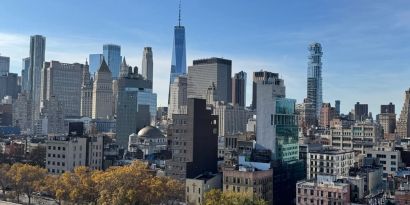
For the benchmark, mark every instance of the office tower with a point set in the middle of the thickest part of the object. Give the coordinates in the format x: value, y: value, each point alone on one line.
x: 239, y: 89
x: 314, y: 77
x: 133, y: 113
x: 268, y: 91
x: 51, y: 117
x: 6, y: 113
x: 178, y: 96
x: 22, y: 112
x: 63, y: 80
x: 194, y: 142
x: 8, y: 85
x: 206, y: 72
x: 403, y: 125
x: 102, y: 93
x: 112, y: 56
x: 4, y: 65
x: 337, y: 107
x: 25, y: 74
x: 327, y: 113
x: 178, y: 64
x: 147, y: 64
x: 37, y: 57
x: 361, y: 111
x: 95, y: 62
x: 387, y: 119
x: 86, y: 93
x: 232, y: 118
x: 259, y: 76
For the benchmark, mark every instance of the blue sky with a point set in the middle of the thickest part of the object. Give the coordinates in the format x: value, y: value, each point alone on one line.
x: 365, y: 42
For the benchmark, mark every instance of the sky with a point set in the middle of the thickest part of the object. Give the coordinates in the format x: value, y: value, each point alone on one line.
x: 365, y: 43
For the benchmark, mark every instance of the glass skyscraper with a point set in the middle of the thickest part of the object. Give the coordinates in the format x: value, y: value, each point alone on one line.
x: 178, y: 64
x: 95, y: 62
x: 112, y: 55
x: 286, y: 130
x: 314, y: 77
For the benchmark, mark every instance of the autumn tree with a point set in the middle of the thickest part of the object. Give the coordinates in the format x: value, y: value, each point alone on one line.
x: 26, y: 179
x: 5, y: 180
x: 216, y: 196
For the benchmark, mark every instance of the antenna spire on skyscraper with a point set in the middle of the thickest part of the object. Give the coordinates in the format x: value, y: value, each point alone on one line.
x: 179, y: 14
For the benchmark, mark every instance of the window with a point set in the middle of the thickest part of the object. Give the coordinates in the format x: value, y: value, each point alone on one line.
x: 393, y: 156
x: 187, y: 189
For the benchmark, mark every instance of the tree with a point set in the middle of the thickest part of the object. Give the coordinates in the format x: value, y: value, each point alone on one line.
x: 38, y: 156
x: 5, y: 180
x: 26, y: 179
x: 124, y: 185
x: 216, y: 196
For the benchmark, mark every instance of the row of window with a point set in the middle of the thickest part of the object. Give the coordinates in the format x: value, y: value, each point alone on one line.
x: 58, y: 155
x: 54, y: 163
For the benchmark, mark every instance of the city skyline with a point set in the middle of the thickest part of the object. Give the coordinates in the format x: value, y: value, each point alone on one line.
x: 353, y: 40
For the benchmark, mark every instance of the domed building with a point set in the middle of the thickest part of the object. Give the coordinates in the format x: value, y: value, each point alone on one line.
x: 149, y: 140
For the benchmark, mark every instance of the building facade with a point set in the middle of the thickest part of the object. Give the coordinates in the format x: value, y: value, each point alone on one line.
x: 403, y: 124
x: 327, y: 113
x: 112, y: 56
x: 147, y: 64
x: 86, y: 93
x: 25, y: 72
x: 322, y: 191
x: 360, y: 137
x: 63, y: 81
x: 95, y: 62
x: 361, y: 111
x: 197, y: 187
x: 4, y: 65
x: 329, y: 161
x: 206, y: 72
x: 314, y: 77
x: 178, y: 96
x: 37, y: 58
x: 193, y: 142
x: 239, y: 89
x: 64, y: 153
x: 102, y: 93
x: 8, y: 85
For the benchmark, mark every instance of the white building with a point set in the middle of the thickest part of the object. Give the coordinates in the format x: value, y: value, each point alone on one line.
x: 149, y: 140
x: 329, y: 161
x: 64, y: 153
x: 360, y: 137
x: 268, y: 90
x: 388, y: 156
x: 102, y: 106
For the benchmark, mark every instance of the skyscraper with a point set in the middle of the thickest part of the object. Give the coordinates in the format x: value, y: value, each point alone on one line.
x: 63, y: 81
x: 8, y: 85
x: 268, y: 91
x: 260, y: 76
x: 133, y: 110
x: 147, y: 64
x: 178, y: 96
x: 95, y: 62
x: 239, y: 89
x: 37, y: 57
x: 112, y: 56
x: 205, y: 73
x: 361, y: 111
x: 178, y: 64
x: 25, y: 72
x: 337, y: 107
x: 314, y: 77
x: 4, y: 65
x: 387, y: 119
x: 102, y: 93
x: 403, y: 125
x: 194, y: 142
x: 86, y: 93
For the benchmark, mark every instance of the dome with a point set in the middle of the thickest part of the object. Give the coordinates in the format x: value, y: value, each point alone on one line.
x: 151, y: 132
